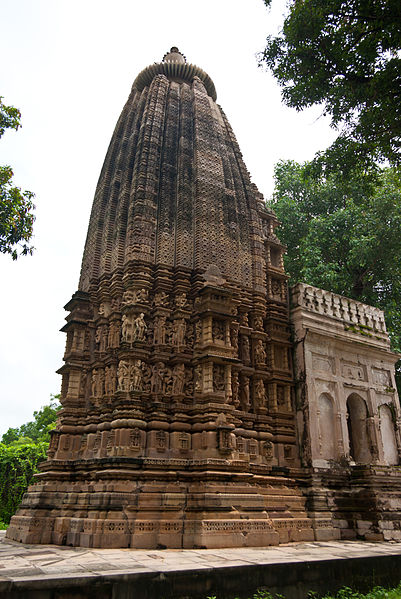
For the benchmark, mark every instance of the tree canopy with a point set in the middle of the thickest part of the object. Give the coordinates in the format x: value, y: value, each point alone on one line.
x: 344, y: 55
x: 37, y: 430
x: 344, y: 235
x: 16, y: 206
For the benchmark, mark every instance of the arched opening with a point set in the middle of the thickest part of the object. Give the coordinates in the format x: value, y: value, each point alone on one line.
x: 388, y: 435
x: 357, y: 430
x: 326, y: 427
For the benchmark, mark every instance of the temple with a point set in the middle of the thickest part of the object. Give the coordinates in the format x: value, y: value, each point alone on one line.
x: 195, y: 411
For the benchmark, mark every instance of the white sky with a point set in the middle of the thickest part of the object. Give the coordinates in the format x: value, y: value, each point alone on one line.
x: 69, y: 66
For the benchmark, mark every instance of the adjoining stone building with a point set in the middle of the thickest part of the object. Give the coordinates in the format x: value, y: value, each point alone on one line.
x: 181, y: 424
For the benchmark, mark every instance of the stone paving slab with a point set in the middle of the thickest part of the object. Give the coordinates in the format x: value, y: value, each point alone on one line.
x: 25, y: 566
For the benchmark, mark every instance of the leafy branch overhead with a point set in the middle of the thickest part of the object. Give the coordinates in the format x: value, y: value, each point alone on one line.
x: 345, y: 56
x: 16, y: 206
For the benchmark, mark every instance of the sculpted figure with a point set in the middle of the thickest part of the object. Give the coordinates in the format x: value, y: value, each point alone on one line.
x: 123, y: 375
x: 178, y: 335
x: 244, y: 319
x: 94, y: 382
x: 128, y: 297
x: 181, y: 300
x: 218, y: 330
x: 110, y: 380
x: 114, y: 334
x: 198, y: 378
x: 139, y: 327
x: 258, y: 323
x: 178, y: 379
x: 219, y: 383
x: 260, y: 354
x: 159, y: 333
x: 103, y: 338
x: 245, y: 354
x: 157, y: 378
x: 245, y: 402
x: 235, y: 389
x: 234, y: 336
x: 260, y: 394
x: 198, y: 331
x: 136, y: 376
x: 140, y: 295
x: 126, y: 328
x: 115, y: 303
x: 161, y: 299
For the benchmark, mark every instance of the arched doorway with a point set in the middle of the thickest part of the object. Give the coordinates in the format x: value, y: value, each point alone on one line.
x: 357, y: 429
x: 327, y: 435
x: 388, y: 435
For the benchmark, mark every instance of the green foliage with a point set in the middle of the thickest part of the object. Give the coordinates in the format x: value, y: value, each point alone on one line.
x: 21, y: 449
x: 37, y: 430
x: 344, y: 234
x: 17, y: 466
x: 345, y: 56
x: 16, y: 206
x: 344, y: 593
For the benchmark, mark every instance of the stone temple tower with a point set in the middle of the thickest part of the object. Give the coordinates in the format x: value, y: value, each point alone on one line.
x: 177, y: 426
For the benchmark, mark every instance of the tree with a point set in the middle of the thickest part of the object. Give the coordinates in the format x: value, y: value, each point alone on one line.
x: 16, y: 206
x: 37, y: 430
x: 344, y: 235
x: 345, y: 56
x: 21, y: 450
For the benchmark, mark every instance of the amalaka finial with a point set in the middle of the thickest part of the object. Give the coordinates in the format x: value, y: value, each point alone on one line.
x: 174, y: 56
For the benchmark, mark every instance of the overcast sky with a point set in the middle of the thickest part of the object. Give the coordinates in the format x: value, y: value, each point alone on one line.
x: 69, y: 66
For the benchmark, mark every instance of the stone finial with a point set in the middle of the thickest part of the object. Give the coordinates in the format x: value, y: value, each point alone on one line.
x: 174, y: 56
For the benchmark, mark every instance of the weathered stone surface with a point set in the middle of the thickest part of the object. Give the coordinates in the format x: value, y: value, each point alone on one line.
x: 348, y: 413
x: 179, y: 426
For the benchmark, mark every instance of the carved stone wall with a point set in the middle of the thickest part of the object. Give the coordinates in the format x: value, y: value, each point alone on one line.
x: 349, y: 417
x: 346, y: 373
x: 178, y: 426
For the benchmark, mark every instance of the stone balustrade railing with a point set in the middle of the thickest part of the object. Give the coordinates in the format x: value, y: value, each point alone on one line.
x: 343, y: 308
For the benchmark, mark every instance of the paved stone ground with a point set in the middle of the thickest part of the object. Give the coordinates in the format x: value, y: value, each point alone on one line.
x: 24, y: 563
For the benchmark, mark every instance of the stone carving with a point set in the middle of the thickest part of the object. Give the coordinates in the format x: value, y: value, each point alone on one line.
x: 260, y: 394
x: 129, y: 375
x: 234, y: 336
x: 97, y: 382
x: 101, y: 338
x: 178, y: 332
x: 136, y: 376
x: 134, y: 296
x: 160, y: 299
x: 219, y: 330
x: 244, y: 319
x: 245, y: 394
x: 114, y: 334
x: 219, y: 383
x: 157, y: 381
x: 198, y: 331
x: 157, y: 225
x: 110, y: 379
x: 267, y: 450
x: 159, y: 331
x: 245, y: 353
x: 258, y: 323
x: 139, y: 328
x: 123, y: 375
x: 235, y: 389
x: 178, y: 379
x: 181, y: 300
x: 276, y: 289
x: 260, y: 354
x: 198, y: 378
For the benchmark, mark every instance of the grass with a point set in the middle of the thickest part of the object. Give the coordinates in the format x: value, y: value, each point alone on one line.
x: 344, y: 593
